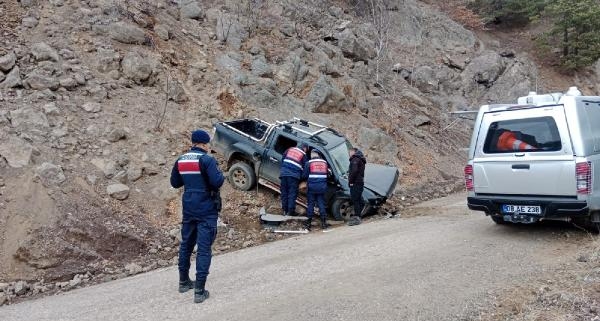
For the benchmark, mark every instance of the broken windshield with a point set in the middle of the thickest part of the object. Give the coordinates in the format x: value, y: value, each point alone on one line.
x: 340, y: 158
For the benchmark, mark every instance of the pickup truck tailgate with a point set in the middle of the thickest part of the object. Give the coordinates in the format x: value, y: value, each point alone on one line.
x: 550, y: 177
x: 525, y: 151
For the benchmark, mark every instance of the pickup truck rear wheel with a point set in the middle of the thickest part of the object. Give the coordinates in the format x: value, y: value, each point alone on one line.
x: 342, y: 209
x: 586, y: 223
x: 241, y: 176
x: 498, y: 220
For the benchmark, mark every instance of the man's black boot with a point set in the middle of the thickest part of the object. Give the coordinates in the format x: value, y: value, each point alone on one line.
x: 200, y: 294
x: 354, y: 220
x: 186, y: 285
x: 308, y: 223
x: 324, y: 224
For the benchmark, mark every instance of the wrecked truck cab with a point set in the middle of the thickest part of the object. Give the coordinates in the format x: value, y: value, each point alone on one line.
x: 254, y: 149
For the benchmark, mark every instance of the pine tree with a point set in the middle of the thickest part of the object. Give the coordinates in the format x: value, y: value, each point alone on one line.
x: 577, y: 29
x: 575, y: 24
x: 509, y: 12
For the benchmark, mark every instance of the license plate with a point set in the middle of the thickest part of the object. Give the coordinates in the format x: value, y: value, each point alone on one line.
x: 522, y: 209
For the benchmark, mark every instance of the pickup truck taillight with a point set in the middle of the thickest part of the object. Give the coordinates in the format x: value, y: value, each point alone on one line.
x: 583, y: 175
x: 469, y: 177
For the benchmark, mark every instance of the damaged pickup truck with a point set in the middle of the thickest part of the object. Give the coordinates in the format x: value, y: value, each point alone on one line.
x: 254, y: 149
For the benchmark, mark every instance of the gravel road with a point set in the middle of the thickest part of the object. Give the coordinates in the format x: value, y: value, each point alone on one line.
x: 440, y: 266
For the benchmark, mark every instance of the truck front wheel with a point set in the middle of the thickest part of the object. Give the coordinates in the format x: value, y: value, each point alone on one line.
x: 241, y: 176
x: 342, y: 209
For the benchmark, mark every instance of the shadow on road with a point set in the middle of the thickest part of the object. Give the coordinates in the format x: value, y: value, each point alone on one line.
x: 545, y: 230
x: 551, y: 226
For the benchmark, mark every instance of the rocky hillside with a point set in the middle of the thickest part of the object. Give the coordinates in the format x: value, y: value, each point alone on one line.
x: 98, y: 98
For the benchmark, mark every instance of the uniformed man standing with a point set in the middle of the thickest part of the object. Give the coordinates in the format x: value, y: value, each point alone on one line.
x: 201, y: 177
x: 292, y: 167
x: 316, y: 172
x: 356, y: 180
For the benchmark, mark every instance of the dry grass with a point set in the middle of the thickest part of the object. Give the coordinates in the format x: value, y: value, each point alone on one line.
x: 11, y: 13
x: 227, y: 102
x: 457, y: 10
x: 571, y: 292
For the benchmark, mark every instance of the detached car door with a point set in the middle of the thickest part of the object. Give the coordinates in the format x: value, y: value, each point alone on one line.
x: 272, y: 157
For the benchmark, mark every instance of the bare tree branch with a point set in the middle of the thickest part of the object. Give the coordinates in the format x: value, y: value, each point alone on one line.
x: 249, y: 13
x: 381, y: 22
x: 160, y: 114
x: 225, y: 27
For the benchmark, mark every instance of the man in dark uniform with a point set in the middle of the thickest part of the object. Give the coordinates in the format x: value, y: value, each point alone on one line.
x: 201, y: 177
x: 356, y: 180
x: 316, y: 172
x: 292, y: 167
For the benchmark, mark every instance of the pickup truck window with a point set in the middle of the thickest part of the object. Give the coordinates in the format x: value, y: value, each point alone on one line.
x: 283, y: 143
x: 539, y: 134
x: 340, y: 158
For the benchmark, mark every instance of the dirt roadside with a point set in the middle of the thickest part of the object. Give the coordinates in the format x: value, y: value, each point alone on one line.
x: 240, y: 228
x: 448, y: 264
x: 570, y: 291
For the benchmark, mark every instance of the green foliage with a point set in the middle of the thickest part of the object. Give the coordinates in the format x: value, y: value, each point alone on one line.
x: 575, y: 27
x: 509, y: 12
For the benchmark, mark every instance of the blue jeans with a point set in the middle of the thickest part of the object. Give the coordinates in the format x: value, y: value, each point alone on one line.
x: 201, y: 232
x: 289, y: 193
x: 319, y: 198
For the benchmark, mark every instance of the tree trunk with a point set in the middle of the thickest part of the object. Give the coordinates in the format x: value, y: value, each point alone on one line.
x: 565, y: 42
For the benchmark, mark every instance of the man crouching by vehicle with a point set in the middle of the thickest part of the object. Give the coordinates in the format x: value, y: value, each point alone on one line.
x: 291, y: 170
x: 201, y: 177
x: 316, y: 172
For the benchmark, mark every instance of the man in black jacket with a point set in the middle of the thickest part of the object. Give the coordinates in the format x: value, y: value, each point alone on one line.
x: 356, y: 180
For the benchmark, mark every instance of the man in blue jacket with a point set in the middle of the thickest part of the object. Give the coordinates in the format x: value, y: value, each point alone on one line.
x: 316, y: 172
x: 201, y: 177
x: 292, y: 166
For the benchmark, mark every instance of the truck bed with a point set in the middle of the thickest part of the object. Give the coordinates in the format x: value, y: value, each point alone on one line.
x: 255, y: 128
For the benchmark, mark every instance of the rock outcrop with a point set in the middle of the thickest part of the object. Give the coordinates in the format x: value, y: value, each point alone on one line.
x: 126, y: 33
x: 50, y: 174
x: 42, y: 51
x: 326, y: 98
x: 136, y: 67
x: 16, y: 151
x: 118, y: 191
x: 7, y: 62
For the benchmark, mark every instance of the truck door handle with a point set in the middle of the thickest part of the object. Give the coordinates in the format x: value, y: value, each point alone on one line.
x: 519, y: 154
x: 520, y: 166
x: 274, y: 159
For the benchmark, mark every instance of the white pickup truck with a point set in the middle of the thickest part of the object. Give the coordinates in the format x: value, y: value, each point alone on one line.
x: 537, y: 160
